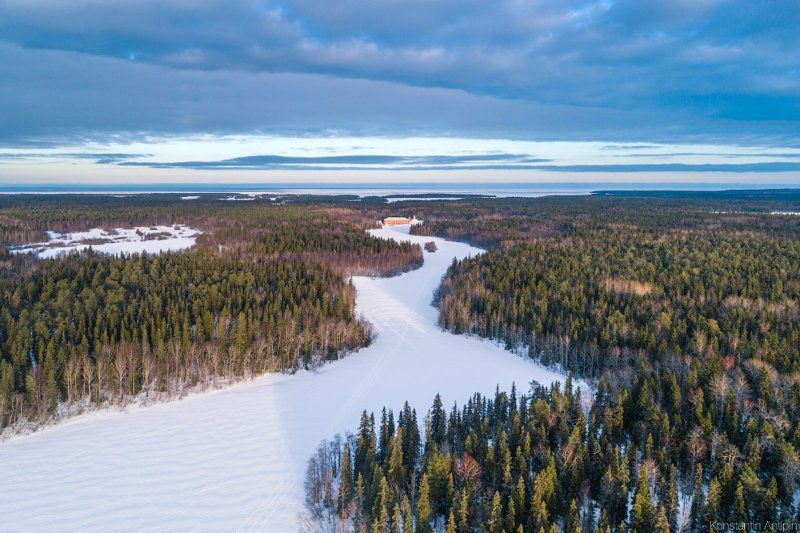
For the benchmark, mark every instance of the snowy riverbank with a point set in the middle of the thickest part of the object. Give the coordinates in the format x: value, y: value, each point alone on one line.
x: 234, y: 459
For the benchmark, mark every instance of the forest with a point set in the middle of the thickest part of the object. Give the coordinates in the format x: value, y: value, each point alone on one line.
x: 266, y: 289
x: 327, y: 229
x: 681, y: 310
x: 534, y: 462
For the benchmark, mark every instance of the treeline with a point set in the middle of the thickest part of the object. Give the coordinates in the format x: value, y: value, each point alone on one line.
x: 504, y: 222
x: 95, y: 329
x: 263, y: 290
x: 540, y: 462
x: 597, y: 295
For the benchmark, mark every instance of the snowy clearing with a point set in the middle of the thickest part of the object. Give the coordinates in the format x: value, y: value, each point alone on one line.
x: 423, y: 199
x: 235, y: 459
x: 119, y: 241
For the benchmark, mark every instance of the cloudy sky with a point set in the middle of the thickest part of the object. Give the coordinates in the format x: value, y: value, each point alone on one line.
x: 382, y: 90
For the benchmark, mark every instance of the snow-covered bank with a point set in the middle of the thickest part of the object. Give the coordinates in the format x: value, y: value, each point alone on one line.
x: 150, y: 239
x: 235, y: 458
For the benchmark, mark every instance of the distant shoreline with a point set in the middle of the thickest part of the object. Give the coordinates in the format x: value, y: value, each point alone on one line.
x: 391, y: 190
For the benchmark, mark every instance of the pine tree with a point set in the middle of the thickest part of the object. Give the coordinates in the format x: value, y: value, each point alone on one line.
x: 396, y: 469
x: 712, y: 508
x: 464, y: 512
x: 439, y: 479
x: 451, y: 524
x: 574, y: 519
x: 496, y: 519
x: 539, y: 515
x: 397, y: 519
x: 662, y: 524
x: 603, y: 525
x: 643, y: 517
x: 242, y: 333
x: 408, y: 518
x: 438, y: 423
x: 511, y: 516
x: 345, y: 481
x: 695, y: 515
x: 357, y: 519
x: 740, y: 506
x: 363, y: 445
x: 424, y: 506
x: 383, y: 503
x: 672, y: 499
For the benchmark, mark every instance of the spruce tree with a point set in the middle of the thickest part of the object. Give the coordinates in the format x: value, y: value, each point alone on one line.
x: 424, y: 506
x: 438, y: 423
x: 574, y: 518
x: 695, y: 515
x: 345, y: 481
x: 451, y: 524
x: 662, y: 523
x: 408, y: 518
x: 643, y: 514
x: 496, y: 517
x: 397, y: 519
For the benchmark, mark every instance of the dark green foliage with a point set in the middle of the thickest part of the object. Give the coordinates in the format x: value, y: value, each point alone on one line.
x: 687, y: 309
x: 254, y: 317
x: 531, y: 464
x: 612, y: 291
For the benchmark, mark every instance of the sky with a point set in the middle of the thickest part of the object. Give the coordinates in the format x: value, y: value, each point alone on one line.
x: 140, y: 91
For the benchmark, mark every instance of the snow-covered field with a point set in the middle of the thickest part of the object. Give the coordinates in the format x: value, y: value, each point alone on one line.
x: 150, y: 239
x: 423, y: 199
x: 235, y: 459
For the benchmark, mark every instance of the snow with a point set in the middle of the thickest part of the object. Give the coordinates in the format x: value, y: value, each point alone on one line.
x: 235, y: 458
x: 120, y: 241
x: 684, y: 509
x: 776, y: 213
x: 422, y: 199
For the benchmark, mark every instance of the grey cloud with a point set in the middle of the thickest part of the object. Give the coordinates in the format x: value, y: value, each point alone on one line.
x: 785, y: 155
x: 481, y: 162
x: 618, y: 54
x: 350, y: 162
x: 678, y: 71
x: 106, y: 158
x: 780, y: 166
x: 100, y: 98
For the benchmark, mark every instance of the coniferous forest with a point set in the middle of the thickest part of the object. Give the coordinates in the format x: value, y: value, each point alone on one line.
x: 265, y: 289
x: 682, y: 312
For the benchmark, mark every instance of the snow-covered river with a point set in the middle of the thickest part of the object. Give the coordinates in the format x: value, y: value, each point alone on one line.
x: 234, y: 459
